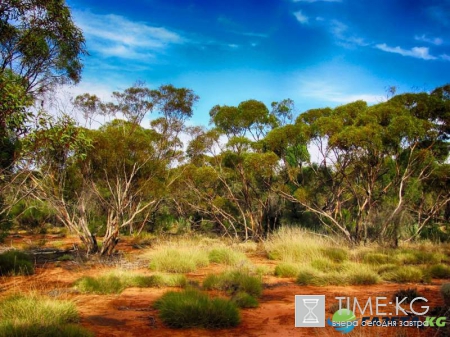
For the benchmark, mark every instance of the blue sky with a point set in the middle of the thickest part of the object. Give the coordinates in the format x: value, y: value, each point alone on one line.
x: 317, y: 52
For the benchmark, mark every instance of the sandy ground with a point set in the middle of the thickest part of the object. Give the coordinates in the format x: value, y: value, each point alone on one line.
x: 131, y: 314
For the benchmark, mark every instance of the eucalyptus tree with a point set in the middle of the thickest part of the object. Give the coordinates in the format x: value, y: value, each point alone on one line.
x: 130, y: 168
x: 231, y: 173
x: 13, y: 117
x: 40, y: 43
x: 371, y: 160
x: 54, y: 153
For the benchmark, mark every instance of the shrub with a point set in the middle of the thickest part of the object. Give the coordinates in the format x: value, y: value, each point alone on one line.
x: 376, y: 258
x: 404, y: 274
x: 351, y: 274
x: 311, y: 277
x: 178, y: 261
x: 14, y: 262
x: 191, y: 308
x: 420, y: 257
x: 325, y: 265
x: 294, y: 245
x: 439, y: 271
x: 34, y: 316
x: 335, y: 254
x: 233, y: 282
x: 115, y: 283
x: 445, y: 293
x: 362, y: 277
x: 108, y: 284
x: 226, y: 256
x: 159, y: 280
x: 287, y: 270
x: 244, y: 300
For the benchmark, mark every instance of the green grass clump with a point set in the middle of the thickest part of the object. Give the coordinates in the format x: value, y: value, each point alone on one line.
x: 308, y: 277
x: 116, y: 282
x: 410, y: 256
x: 294, y: 245
x: 287, y: 270
x: 325, y: 265
x: 14, y: 262
x: 384, y: 268
x: 233, y: 282
x: 439, y: 271
x: 335, y: 254
x: 312, y: 277
x: 191, y: 308
x: 376, y: 258
x: 403, y: 274
x: 349, y: 274
x: 33, y: 316
x: 225, y: 255
x: 244, y: 300
x: 174, y: 260
x: 107, y: 284
x: 363, y: 277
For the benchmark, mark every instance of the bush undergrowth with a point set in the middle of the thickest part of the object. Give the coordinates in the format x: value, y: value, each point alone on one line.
x: 34, y: 316
x: 192, y: 308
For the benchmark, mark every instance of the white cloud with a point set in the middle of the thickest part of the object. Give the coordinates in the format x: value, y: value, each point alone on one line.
x: 340, y: 32
x: 332, y: 91
x: 433, y: 40
x: 417, y: 52
x: 445, y: 57
x: 116, y: 36
x: 303, y: 19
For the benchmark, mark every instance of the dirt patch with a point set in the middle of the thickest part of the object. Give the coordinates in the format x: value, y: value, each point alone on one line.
x: 131, y: 313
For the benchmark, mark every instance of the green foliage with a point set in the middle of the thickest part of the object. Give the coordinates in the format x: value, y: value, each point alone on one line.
x: 191, y: 308
x: 31, y: 214
x: 115, y: 283
x: 227, y: 256
x: 325, y: 265
x: 287, y: 270
x: 404, y: 274
x: 359, y: 275
x: 109, y: 284
x: 40, y: 39
x: 295, y: 245
x: 348, y: 274
x: 244, y: 300
x: 376, y: 258
x: 178, y: 261
x: 336, y: 254
x: 14, y: 262
x: 35, y: 316
x: 441, y: 271
x: 233, y: 282
x: 419, y: 256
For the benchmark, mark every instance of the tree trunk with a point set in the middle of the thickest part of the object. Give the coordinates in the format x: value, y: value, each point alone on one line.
x: 110, y: 242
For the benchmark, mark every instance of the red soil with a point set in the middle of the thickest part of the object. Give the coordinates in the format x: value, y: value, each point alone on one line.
x: 131, y: 312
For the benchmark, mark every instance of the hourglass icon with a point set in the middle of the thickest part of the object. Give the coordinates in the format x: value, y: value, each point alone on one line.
x: 310, y: 304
